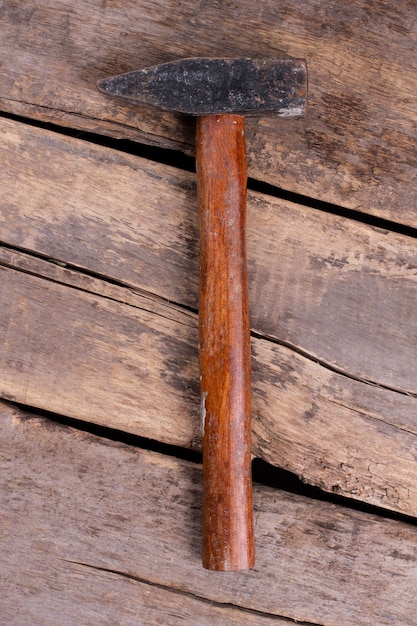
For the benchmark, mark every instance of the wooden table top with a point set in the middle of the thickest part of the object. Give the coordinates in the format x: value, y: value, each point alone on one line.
x: 99, y: 308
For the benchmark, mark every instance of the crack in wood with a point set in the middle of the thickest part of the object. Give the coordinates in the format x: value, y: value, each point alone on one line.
x: 177, y: 307
x: 95, y: 277
x: 330, y: 366
x: 373, y: 416
x: 188, y: 594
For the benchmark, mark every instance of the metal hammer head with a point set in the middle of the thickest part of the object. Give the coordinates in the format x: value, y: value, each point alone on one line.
x: 200, y: 86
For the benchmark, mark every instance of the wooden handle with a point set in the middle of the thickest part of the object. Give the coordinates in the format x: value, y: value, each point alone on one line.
x: 228, y: 542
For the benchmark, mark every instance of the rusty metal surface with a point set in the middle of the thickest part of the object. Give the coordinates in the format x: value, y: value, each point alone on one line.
x: 203, y: 86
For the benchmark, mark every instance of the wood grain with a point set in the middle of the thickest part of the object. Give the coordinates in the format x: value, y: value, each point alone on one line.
x: 109, y: 533
x: 95, y: 351
x: 328, y: 286
x: 356, y: 147
x: 224, y: 344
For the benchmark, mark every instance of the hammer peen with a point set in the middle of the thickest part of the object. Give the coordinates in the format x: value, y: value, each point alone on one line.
x: 219, y: 92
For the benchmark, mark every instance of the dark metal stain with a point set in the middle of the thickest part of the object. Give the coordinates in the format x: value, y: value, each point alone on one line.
x: 283, y: 377
x: 343, y: 134
x: 319, y: 263
x: 409, y: 558
x: 181, y: 366
x: 311, y: 413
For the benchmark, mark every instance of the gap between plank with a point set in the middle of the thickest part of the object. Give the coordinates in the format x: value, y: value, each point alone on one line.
x: 179, y: 160
x: 263, y: 473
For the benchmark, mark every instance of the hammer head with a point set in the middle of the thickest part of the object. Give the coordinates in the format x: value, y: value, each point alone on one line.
x: 199, y: 86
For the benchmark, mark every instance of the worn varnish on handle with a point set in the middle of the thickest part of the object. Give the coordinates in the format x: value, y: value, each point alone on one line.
x: 224, y: 336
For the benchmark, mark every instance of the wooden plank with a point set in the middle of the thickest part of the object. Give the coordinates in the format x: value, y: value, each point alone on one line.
x: 111, y: 534
x: 97, y: 596
x: 356, y: 147
x: 328, y: 286
x: 126, y: 361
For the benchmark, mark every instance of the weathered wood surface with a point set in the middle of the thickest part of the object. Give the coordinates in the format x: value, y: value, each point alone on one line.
x: 336, y: 290
x: 356, y: 147
x: 81, y: 347
x: 326, y: 288
x: 99, y: 532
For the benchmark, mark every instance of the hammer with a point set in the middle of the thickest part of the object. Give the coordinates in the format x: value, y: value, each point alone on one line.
x: 219, y: 92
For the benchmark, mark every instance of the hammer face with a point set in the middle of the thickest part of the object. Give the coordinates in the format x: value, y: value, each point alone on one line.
x: 201, y: 86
